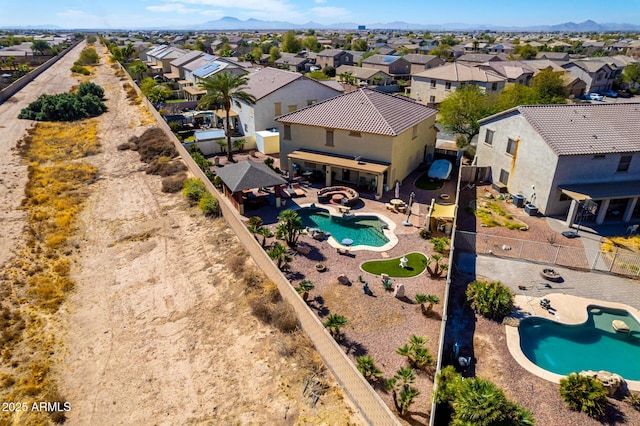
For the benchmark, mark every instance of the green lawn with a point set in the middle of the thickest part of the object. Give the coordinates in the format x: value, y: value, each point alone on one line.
x: 425, y: 182
x: 415, y: 266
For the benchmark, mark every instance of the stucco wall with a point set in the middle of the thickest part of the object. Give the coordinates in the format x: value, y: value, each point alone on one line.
x: 421, y: 88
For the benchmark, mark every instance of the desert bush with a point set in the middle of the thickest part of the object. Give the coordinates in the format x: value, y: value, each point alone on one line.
x: 90, y: 88
x: 251, y: 277
x: 88, y: 56
x: 585, y: 394
x: 259, y: 309
x: 633, y: 400
x: 152, y: 144
x: 236, y: 261
x: 284, y: 318
x: 425, y: 234
x: 64, y: 107
x: 173, y: 184
x: 209, y: 204
x: 125, y: 146
x: 80, y: 69
x: 164, y: 169
x: 193, y: 189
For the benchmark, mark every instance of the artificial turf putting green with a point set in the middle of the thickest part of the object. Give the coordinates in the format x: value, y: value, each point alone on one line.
x: 415, y: 266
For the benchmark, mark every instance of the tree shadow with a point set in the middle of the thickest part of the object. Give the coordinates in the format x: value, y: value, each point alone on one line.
x: 294, y: 275
x: 317, y: 304
x: 409, y: 418
x: 613, y: 416
x: 352, y: 347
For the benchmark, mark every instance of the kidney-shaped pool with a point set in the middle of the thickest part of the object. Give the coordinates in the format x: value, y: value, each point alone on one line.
x: 593, y: 345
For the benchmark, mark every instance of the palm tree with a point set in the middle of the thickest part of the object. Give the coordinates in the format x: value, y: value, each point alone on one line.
x: 479, y: 402
x: 279, y: 253
x: 402, y: 391
x: 334, y: 323
x: 432, y: 299
x: 438, y: 266
x: 223, y: 88
x: 138, y: 68
x: 289, y: 227
x: 421, y: 299
x: 367, y: 367
x: 416, y: 352
x: 584, y: 394
x: 303, y: 289
x: 490, y: 299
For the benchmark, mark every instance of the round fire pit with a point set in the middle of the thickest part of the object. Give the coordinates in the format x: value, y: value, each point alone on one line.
x: 550, y: 275
x: 320, y: 267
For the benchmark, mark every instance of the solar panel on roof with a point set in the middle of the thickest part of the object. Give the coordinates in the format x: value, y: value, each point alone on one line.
x: 388, y: 59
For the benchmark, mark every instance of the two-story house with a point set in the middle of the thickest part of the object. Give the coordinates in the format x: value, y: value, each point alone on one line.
x: 333, y: 58
x: 422, y: 62
x: 396, y: 66
x: 558, y: 156
x: 598, y: 75
x: 364, y: 137
x: 277, y: 92
x: 432, y: 86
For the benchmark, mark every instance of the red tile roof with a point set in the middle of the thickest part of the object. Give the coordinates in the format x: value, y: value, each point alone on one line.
x: 363, y: 110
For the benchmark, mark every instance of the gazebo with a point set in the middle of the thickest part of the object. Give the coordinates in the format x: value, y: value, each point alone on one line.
x: 248, y: 175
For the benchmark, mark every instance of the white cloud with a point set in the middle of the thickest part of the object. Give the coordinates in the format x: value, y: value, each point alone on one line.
x: 242, y: 9
x: 330, y: 12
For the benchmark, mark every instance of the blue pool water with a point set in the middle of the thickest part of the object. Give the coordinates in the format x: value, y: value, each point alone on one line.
x: 593, y: 345
x: 363, y: 230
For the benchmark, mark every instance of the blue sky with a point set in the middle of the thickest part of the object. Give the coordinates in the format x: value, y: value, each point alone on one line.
x: 157, y: 13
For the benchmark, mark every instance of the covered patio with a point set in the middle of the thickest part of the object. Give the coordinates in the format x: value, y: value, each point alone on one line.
x: 240, y: 179
x: 612, y: 200
x: 353, y: 170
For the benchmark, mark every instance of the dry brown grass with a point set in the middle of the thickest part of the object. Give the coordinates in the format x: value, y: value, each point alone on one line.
x: 153, y: 144
x: 173, y: 184
x: 132, y: 95
x: 37, y: 280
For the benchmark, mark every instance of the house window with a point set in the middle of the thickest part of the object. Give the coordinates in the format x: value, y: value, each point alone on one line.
x: 511, y: 147
x: 447, y: 85
x: 623, y: 165
x: 504, y: 177
x: 599, y: 157
x: 287, y: 132
x: 432, y: 99
x: 329, y: 138
x: 414, y: 132
x: 494, y: 87
x: 278, y: 108
x: 355, y: 134
x: 292, y: 108
x: 488, y: 137
x: 433, y: 84
x: 311, y: 102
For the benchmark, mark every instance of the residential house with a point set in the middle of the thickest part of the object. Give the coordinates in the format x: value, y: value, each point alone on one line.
x: 162, y: 58
x: 513, y: 71
x: 363, y: 137
x: 554, y: 56
x: 292, y: 62
x: 479, y: 58
x: 432, y: 86
x: 506, y: 48
x: 598, y: 75
x: 558, y: 156
x: 277, y: 92
x: 396, y: 66
x: 177, y: 69
x: 422, y: 62
x: 364, y: 76
x: 333, y: 58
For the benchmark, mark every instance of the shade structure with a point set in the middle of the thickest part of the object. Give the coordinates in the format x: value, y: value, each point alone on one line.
x: 346, y: 241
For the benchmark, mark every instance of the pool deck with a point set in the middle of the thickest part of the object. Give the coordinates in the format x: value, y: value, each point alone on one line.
x: 568, y: 310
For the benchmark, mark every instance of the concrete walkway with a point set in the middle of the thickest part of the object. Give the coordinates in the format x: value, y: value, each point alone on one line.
x: 592, y: 285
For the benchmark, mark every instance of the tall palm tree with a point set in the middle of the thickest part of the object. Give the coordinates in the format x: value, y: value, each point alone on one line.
x: 223, y: 88
x: 367, y: 367
x: 289, y: 227
x: 402, y: 391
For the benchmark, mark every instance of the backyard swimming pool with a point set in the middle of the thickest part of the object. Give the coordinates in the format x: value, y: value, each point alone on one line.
x: 593, y: 345
x: 362, y: 230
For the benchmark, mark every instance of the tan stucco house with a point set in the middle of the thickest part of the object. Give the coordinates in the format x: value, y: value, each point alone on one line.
x: 363, y: 137
x: 559, y: 156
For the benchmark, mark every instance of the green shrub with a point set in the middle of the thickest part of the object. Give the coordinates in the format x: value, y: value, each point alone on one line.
x: 584, y: 394
x: 90, y: 88
x: 201, y: 160
x: 209, y: 205
x: 490, y: 299
x: 86, y: 102
x: 80, y: 69
x: 440, y: 244
x: 425, y: 234
x: 193, y: 189
x: 88, y: 56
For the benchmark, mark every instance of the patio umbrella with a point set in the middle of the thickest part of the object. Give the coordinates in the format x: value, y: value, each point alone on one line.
x: 397, y: 194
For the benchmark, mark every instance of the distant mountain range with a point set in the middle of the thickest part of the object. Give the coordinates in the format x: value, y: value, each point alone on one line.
x: 230, y: 23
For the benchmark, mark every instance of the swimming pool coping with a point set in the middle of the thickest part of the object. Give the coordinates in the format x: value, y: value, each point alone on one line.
x: 570, y: 310
x: 388, y: 232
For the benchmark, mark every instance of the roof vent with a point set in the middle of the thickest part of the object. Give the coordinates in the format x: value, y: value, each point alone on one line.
x: 595, y: 136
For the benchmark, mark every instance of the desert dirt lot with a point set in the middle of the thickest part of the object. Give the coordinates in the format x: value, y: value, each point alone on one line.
x: 157, y: 330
